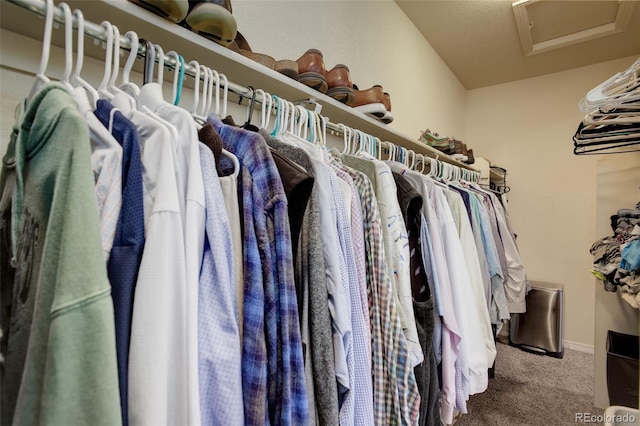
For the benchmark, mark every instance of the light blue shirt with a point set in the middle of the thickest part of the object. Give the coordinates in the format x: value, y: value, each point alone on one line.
x: 219, y: 344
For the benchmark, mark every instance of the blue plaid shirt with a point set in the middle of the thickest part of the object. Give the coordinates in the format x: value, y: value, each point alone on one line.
x: 277, y: 374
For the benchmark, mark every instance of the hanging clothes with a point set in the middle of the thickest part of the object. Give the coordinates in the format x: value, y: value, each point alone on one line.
x: 57, y: 311
x: 128, y: 243
x: 320, y: 365
x: 264, y: 195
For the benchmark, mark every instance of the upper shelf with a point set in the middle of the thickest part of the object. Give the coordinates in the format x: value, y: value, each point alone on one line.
x: 239, y: 69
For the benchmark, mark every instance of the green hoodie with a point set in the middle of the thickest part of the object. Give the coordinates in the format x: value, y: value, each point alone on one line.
x: 58, y: 338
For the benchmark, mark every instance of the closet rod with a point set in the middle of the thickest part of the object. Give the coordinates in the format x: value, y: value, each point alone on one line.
x: 98, y: 32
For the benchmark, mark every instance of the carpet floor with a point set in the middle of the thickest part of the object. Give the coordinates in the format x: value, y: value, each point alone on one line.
x: 536, y: 390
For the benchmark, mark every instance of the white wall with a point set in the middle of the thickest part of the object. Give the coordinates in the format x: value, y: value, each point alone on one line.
x: 378, y: 43
x: 526, y: 126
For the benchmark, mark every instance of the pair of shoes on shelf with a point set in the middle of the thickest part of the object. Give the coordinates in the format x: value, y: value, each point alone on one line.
x: 309, y: 70
x: 336, y: 83
x: 212, y: 19
x: 432, y: 139
x: 374, y: 102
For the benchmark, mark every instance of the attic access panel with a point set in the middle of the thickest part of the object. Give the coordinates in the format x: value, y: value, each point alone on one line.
x: 545, y: 25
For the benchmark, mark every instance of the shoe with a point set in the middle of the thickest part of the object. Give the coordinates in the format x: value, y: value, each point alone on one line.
x: 339, y: 85
x: 212, y: 19
x: 288, y: 68
x: 388, y: 117
x: 471, y: 159
x: 241, y: 46
x: 173, y: 10
x: 460, y: 150
x: 444, y: 144
x: 311, y: 70
x: 370, y: 101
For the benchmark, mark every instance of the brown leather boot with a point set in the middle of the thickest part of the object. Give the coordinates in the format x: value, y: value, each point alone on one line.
x: 339, y: 85
x: 311, y: 70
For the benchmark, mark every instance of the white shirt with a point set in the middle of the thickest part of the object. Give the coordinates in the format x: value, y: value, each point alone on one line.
x: 473, y: 358
x: 158, y: 356
x: 470, y: 251
x: 192, y: 201
x: 106, y: 161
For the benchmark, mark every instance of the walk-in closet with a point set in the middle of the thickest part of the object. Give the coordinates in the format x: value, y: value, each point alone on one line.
x: 245, y: 212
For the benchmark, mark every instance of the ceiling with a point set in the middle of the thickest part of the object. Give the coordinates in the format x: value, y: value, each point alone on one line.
x: 480, y: 41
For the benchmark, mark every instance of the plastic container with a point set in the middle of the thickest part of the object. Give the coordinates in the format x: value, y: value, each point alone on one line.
x: 622, y: 369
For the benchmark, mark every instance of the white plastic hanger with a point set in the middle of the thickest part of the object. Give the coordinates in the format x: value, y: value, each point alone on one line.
x: 160, y: 55
x: 622, y: 87
x: 345, y: 137
x: 196, y: 87
x: 76, y: 80
x: 214, y: 82
x: 225, y: 94
x: 127, y: 86
x: 68, y: 46
x: 102, y: 88
x: 111, y: 86
x: 41, y: 78
x: 265, y: 112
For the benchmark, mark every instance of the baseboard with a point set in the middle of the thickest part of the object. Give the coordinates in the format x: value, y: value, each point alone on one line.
x: 581, y: 347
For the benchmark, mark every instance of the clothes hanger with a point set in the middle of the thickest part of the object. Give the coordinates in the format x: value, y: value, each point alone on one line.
x: 378, y: 148
x: 322, y: 129
x: 126, y: 86
x: 182, y: 67
x: 102, y: 88
x: 198, y: 108
x: 111, y: 86
x: 159, y: 54
x: 176, y: 75
x: 214, y: 82
x: 345, y: 137
x: 76, y: 80
x: 265, y: 108
x: 68, y: 46
x: 252, y: 104
x: 41, y: 79
x: 622, y: 87
x: 149, y: 61
x: 278, y: 106
x: 196, y: 87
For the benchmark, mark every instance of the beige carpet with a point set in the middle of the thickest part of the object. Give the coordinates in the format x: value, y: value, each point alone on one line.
x: 535, y: 390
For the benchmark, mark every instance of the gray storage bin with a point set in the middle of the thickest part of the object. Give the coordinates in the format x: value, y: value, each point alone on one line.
x: 539, y: 329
